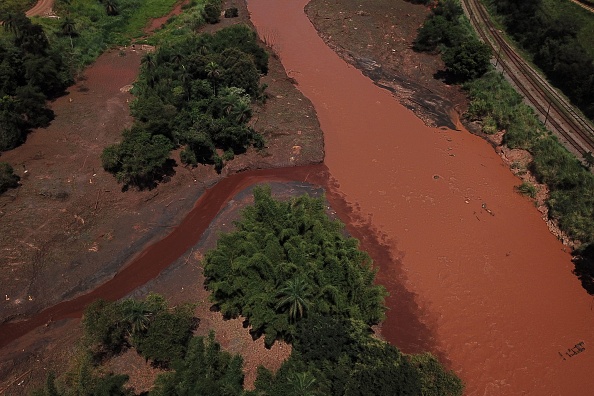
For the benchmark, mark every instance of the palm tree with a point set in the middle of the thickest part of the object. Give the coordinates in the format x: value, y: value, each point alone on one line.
x: 111, y: 7
x: 68, y: 27
x: 294, y: 295
x: 150, y: 64
x: 302, y: 384
x: 137, y: 315
x: 11, y: 24
x: 240, y: 111
x: 213, y: 73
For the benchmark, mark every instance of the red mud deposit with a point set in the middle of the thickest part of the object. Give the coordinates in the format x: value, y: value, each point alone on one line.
x: 156, y: 257
x: 494, y: 288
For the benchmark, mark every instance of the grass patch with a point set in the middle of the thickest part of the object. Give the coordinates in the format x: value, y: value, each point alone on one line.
x: 95, y: 30
x: 528, y: 189
x: 147, y: 10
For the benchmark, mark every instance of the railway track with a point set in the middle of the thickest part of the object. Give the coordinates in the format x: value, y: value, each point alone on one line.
x: 557, y: 112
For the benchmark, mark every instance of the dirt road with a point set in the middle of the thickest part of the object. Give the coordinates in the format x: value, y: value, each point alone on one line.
x: 42, y: 7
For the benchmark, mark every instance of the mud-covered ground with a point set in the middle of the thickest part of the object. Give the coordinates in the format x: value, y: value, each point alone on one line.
x: 69, y: 227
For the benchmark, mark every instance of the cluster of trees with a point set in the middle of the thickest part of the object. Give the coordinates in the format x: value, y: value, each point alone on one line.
x: 195, y: 93
x: 448, y: 32
x: 553, y: 41
x: 286, y: 261
x: 331, y: 355
x: 158, y: 333
x: 289, y: 267
x: 30, y: 73
x: 334, y: 355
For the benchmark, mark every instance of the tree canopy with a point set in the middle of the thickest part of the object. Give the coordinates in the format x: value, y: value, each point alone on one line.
x: 288, y: 260
x: 31, y: 72
x: 195, y: 93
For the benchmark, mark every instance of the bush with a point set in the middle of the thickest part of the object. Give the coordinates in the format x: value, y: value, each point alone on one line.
x: 467, y: 61
x: 7, y: 177
x: 527, y: 188
x: 212, y: 12
x: 232, y: 12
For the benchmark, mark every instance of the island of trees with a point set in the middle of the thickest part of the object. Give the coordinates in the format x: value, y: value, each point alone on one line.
x: 292, y: 273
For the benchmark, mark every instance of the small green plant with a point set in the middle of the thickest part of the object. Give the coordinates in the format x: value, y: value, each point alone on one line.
x: 528, y: 189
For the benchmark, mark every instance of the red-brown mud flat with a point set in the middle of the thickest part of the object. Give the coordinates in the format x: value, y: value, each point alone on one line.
x: 494, y: 288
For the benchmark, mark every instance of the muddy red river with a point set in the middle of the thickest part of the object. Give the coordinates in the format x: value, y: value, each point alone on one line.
x: 493, y: 287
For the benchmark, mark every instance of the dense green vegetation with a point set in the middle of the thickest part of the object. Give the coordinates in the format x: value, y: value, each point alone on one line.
x: 293, y: 270
x: 158, y: 333
x: 88, y: 27
x: 195, y: 92
x: 14, y: 6
x: 559, y: 36
x: 448, y: 32
x: 39, y: 59
x: 30, y: 73
x: 499, y: 107
x: 287, y: 260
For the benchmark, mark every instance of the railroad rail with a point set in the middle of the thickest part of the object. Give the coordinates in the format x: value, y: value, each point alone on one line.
x: 562, y: 119
x: 585, y: 4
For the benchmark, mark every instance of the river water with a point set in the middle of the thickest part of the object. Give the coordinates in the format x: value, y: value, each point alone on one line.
x: 494, y: 292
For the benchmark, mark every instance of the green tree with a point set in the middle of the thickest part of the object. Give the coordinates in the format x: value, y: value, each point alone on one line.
x: 205, y: 370
x: 468, y: 61
x: 303, y: 384
x: 212, y: 11
x: 139, y: 159
x: 68, y: 27
x: 138, y: 315
x: 167, y: 337
x: 294, y: 298
x: 213, y: 73
x: 7, y: 177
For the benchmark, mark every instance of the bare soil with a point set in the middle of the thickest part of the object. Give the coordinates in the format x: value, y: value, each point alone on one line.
x: 69, y: 227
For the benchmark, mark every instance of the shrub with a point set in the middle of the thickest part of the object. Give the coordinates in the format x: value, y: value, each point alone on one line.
x: 467, y: 61
x: 7, y: 177
x: 212, y: 12
x: 527, y: 188
x: 232, y: 12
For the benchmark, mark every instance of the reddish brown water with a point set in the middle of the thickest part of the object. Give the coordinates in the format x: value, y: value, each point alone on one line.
x: 493, y: 286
